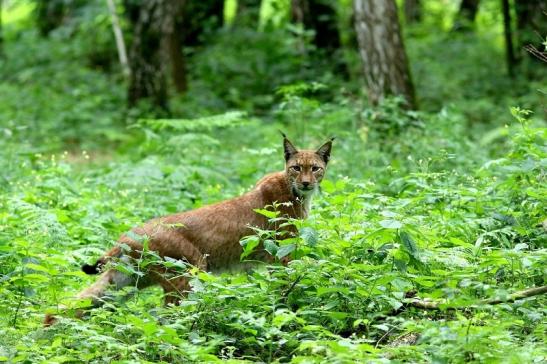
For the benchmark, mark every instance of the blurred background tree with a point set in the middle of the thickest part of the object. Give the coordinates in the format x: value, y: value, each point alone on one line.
x: 383, y: 54
x: 467, y: 13
x: 186, y: 57
x: 413, y: 11
x: 1, y: 32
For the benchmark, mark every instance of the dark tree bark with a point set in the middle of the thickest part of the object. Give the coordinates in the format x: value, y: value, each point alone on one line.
x: 248, y: 12
x: 382, y: 51
x: 152, y: 24
x: 175, y: 44
x: 319, y: 16
x: 199, y: 19
x: 49, y: 15
x: 194, y: 22
x: 531, y: 25
x: 413, y: 11
x: 508, y: 35
x: 465, y: 18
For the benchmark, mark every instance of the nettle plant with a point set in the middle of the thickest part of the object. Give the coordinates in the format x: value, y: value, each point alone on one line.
x: 359, y: 262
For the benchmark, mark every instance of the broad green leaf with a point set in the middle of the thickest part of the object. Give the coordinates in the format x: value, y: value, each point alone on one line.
x: 268, y: 213
x: 271, y: 247
x: 391, y: 224
x: 285, y: 250
x: 309, y: 236
x: 249, y: 244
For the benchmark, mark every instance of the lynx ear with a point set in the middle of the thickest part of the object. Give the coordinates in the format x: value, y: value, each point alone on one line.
x: 288, y: 147
x: 324, y: 150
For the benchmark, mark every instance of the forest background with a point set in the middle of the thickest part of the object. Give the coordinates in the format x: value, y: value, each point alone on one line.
x: 429, y: 227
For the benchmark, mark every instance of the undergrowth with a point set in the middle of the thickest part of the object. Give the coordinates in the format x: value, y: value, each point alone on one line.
x: 459, y: 236
x: 446, y: 204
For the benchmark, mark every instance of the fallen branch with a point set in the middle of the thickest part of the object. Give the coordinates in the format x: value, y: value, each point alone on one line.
x: 436, y: 305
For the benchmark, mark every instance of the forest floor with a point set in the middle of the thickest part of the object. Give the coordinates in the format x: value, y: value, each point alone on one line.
x: 446, y: 203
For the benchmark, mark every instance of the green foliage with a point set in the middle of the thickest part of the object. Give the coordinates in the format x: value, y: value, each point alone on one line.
x: 446, y: 204
x: 456, y: 237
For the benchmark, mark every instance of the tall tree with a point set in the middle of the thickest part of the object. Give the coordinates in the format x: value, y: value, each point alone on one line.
x: 465, y: 18
x: 1, y: 33
x: 382, y: 51
x: 199, y: 19
x: 531, y: 24
x: 194, y: 22
x: 175, y: 48
x: 152, y: 22
x: 413, y: 11
x: 248, y: 12
x: 319, y: 16
x: 49, y: 15
x: 118, y: 35
x: 508, y: 35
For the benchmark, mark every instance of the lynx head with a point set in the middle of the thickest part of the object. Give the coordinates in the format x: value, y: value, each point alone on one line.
x: 305, y: 168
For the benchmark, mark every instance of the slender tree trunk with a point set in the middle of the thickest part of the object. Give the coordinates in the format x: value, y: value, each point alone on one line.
x: 508, y: 35
x: 49, y: 15
x: 118, y: 35
x: 193, y: 23
x: 199, y: 18
x: 175, y: 45
x: 531, y: 25
x: 248, y: 12
x: 319, y: 16
x: 1, y: 33
x: 466, y: 15
x: 152, y: 22
x: 413, y: 11
x: 382, y: 51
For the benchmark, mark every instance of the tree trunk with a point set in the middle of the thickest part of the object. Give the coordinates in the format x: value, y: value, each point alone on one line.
x: 319, y: 16
x: 413, y: 11
x: 194, y: 22
x: 118, y: 35
x: 508, y: 35
x: 175, y: 45
x: 200, y: 18
x: 531, y: 25
x: 465, y: 18
x: 382, y: 51
x: 1, y: 33
x: 152, y: 22
x: 248, y: 12
x: 49, y: 15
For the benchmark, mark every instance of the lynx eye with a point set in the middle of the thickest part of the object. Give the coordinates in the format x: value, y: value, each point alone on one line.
x: 315, y: 169
x: 296, y: 168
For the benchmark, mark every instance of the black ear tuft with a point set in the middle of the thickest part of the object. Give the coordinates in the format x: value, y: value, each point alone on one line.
x: 91, y: 269
x: 324, y: 150
x: 288, y: 147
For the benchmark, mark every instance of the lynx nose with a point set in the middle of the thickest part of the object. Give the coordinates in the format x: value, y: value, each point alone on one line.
x: 305, y: 184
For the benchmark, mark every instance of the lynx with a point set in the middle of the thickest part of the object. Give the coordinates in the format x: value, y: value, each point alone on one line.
x: 209, y: 237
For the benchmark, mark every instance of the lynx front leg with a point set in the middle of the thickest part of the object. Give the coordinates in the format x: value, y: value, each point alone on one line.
x: 111, y: 279
x: 175, y: 289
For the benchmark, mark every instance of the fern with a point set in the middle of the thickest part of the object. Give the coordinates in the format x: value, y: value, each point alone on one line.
x: 226, y: 120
